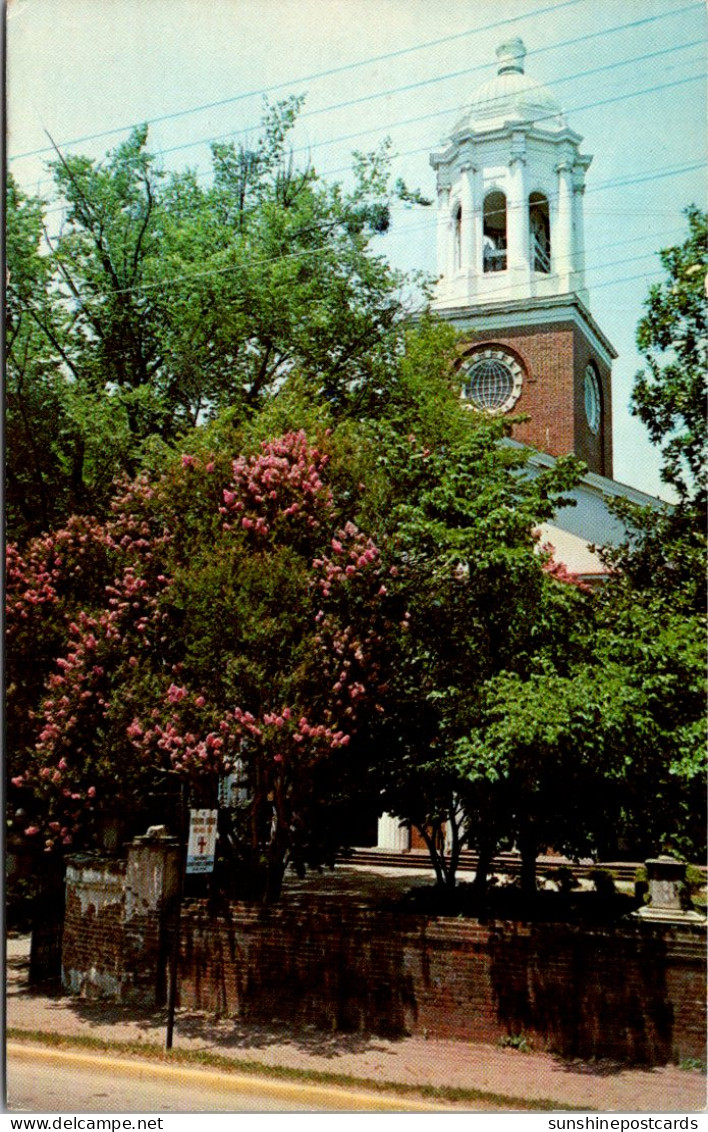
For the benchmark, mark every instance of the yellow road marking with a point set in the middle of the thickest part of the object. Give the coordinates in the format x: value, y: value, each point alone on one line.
x: 336, y: 1096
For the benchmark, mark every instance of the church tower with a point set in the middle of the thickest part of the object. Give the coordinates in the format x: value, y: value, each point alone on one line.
x: 511, y: 270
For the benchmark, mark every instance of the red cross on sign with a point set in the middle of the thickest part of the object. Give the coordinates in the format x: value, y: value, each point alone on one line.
x: 201, y: 848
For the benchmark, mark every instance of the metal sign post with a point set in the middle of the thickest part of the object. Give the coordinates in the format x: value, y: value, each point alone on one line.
x: 201, y: 850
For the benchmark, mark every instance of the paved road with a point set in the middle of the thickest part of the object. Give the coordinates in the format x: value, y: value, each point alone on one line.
x: 41, y: 1080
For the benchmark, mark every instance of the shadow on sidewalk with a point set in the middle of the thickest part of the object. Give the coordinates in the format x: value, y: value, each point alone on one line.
x: 202, y: 1031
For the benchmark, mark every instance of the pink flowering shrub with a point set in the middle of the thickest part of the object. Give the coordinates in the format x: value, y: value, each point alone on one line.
x: 280, y: 493
x: 233, y: 622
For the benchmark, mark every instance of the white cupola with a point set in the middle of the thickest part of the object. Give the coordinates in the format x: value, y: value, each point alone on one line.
x: 510, y: 180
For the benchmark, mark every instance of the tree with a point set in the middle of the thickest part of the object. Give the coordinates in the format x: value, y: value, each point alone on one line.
x: 162, y: 302
x: 42, y: 470
x: 238, y: 630
x: 669, y: 396
x: 461, y: 517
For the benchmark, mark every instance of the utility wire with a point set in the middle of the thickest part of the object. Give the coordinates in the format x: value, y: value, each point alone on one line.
x: 435, y: 114
x: 312, y: 252
x: 555, y: 114
x: 381, y: 94
x: 307, y: 78
x: 535, y: 121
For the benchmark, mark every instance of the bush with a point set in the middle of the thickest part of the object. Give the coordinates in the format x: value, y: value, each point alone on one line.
x: 565, y: 879
x: 604, y: 881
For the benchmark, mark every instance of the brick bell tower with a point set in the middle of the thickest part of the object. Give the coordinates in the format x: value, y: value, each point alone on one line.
x: 510, y: 183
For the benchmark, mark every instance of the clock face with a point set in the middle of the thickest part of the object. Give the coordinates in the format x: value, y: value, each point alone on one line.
x: 492, y: 381
x: 593, y: 404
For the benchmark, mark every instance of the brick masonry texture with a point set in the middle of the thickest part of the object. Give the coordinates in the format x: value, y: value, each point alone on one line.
x: 632, y: 991
x: 554, y: 358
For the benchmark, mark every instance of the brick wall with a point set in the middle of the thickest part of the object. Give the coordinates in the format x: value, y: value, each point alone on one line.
x: 554, y: 357
x: 115, y: 939
x: 632, y: 991
x: 93, y: 945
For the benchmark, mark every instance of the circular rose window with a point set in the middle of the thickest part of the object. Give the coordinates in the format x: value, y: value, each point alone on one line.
x: 492, y: 381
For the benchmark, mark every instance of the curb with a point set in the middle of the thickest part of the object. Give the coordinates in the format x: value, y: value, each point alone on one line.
x: 335, y: 1097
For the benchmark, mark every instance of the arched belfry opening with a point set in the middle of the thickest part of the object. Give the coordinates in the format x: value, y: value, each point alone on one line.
x: 494, y: 232
x: 540, y: 233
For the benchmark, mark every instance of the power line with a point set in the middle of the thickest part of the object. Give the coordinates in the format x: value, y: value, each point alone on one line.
x: 572, y: 110
x: 265, y: 261
x: 387, y: 92
x: 306, y: 78
x: 437, y: 113
x: 450, y: 75
x: 535, y: 121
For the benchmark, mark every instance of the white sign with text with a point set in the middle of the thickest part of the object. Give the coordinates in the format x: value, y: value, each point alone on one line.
x: 201, y: 847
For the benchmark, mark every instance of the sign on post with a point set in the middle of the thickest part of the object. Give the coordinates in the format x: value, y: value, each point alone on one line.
x: 201, y: 847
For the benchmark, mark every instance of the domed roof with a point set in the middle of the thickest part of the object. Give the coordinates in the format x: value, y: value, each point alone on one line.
x: 511, y: 96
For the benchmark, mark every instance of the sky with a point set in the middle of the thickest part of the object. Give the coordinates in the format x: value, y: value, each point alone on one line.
x: 630, y: 74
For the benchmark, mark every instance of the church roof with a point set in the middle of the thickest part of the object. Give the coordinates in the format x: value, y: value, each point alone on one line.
x: 511, y: 96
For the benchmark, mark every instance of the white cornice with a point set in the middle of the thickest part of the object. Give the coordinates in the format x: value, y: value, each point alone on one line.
x: 531, y: 312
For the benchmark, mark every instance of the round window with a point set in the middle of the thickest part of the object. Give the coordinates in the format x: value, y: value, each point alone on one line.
x: 492, y: 381
x: 593, y: 405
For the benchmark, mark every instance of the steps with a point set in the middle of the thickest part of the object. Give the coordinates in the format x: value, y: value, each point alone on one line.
x: 509, y: 863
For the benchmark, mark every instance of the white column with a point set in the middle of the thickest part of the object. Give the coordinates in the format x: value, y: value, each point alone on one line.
x: 562, y: 241
x: 477, y: 238
x: 579, y: 228
x: 391, y: 834
x: 467, y: 200
x: 443, y: 235
x: 517, y: 220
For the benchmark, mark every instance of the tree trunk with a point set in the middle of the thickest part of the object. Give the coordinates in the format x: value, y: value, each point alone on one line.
x: 484, y: 860
x: 529, y: 851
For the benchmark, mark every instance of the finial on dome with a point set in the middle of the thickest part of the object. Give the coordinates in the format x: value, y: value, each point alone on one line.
x: 511, y: 57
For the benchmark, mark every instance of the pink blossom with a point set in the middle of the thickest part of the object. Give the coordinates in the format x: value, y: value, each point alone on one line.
x: 188, y: 461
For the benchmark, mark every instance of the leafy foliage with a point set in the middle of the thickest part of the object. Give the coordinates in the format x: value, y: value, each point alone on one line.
x: 162, y: 302
x: 670, y: 395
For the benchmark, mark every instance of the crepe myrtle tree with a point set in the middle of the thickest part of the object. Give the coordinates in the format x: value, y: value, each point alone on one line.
x: 240, y: 628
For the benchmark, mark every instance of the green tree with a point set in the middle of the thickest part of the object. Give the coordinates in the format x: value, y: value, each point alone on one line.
x: 669, y: 396
x: 43, y: 449
x: 164, y: 301
x: 474, y: 597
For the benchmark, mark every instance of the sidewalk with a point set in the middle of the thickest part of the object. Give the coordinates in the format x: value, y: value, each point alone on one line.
x: 507, y: 1073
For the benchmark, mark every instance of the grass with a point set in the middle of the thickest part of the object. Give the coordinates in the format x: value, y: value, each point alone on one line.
x: 516, y: 1041
x: 207, y: 1059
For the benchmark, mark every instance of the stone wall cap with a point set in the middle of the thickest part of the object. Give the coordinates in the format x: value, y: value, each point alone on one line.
x: 155, y: 833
